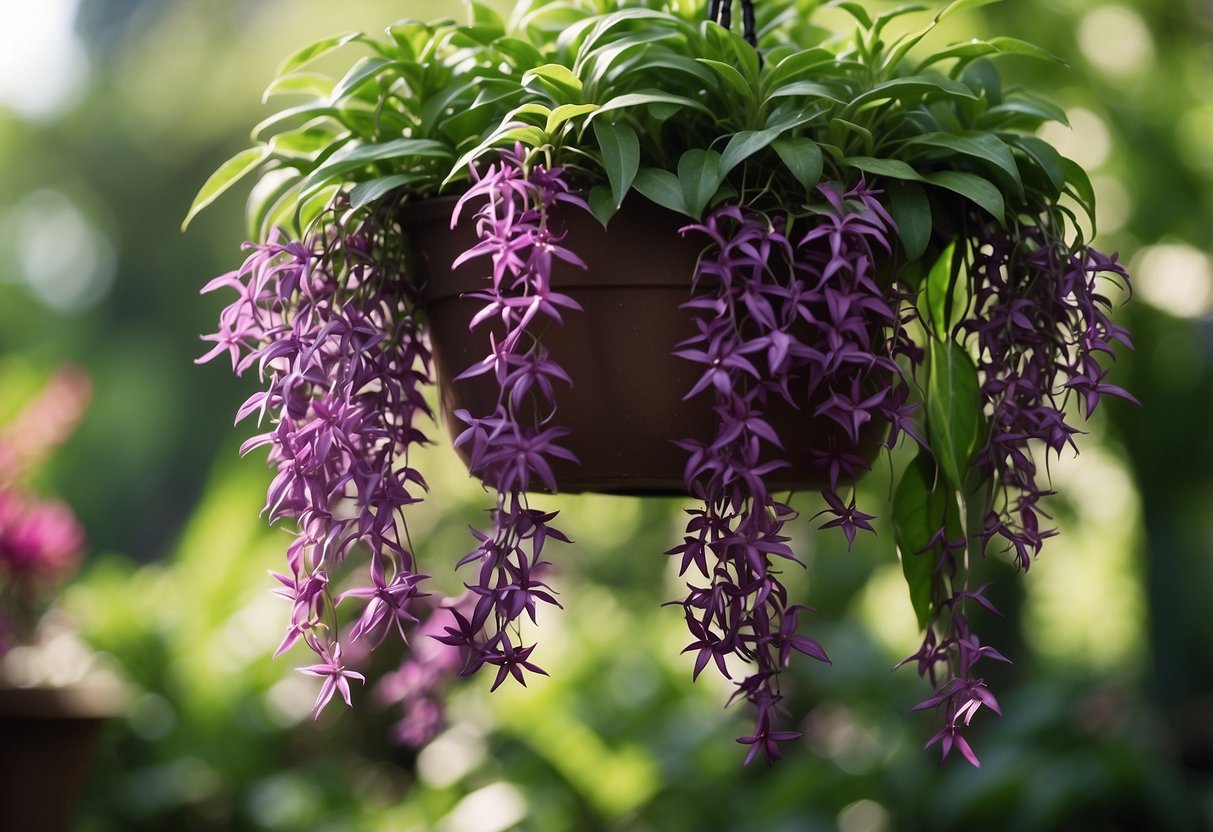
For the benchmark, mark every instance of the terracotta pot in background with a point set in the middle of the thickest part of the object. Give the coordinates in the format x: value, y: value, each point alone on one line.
x: 625, y: 408
x: 46, y: 741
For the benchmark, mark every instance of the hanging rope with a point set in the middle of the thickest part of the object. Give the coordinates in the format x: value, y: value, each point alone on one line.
x: 721, y: 11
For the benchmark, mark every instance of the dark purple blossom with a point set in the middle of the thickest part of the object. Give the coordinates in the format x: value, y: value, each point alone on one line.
x: 808, y: 322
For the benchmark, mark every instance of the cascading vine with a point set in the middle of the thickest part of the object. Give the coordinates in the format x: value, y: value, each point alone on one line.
x: 512, y: 448
x: 330, y: 328
x: 1036, y: 322
x: 814, y: 315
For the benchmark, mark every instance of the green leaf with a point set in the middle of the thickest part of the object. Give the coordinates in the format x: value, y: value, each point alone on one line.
x: 731, y: 76
x: 922, y: 505
x: 745, y: 144
x: 1035, y: 111
x: 361, y: 72
x: 227, y: 175
x: 972, y: 49
x: 893, y: 168
x: 482, y: 15
x: 620, y: 148
x: 313, y: 51
x: 555, y: 78
x: 565, y: 112
x: 636, y: 99
x: 802, y: 157
x: 699, y: 176
x: 310, y: 209
x: 521, y: 53
x: 357, y: 154
x: 299, y: 83
x: 662, y: 187
x: 911, y: 212
x: 960, y: 6
x: 273, y: 194
x: 1015, y: 46
x: 940, y: 288
x: 953, y: 406
x: 797, y: 64
x: 602, y: 204
x: 984, y: 147
x: 309, y: 110
x: 305, y: 143
x: 364, y: 193
x: 973, y: 188
x: 1080, y: 186
x: 1045, y: 156
x: 856, y: 11
x: 809, y: 89
x: 913, y: 87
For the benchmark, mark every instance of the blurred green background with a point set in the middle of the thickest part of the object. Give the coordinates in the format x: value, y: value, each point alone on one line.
x: 112, y: 112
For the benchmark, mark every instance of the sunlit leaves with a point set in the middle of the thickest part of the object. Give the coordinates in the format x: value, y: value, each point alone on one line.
x: 228, y: 174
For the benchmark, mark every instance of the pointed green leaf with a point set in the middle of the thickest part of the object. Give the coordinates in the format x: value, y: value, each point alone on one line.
x: 361, y: 72
x: 893, y: 168
x: 274, y: 194
x: 729, y: 74
x: 651, y: 97
x: 973, y: 188
x: 953, y: 406
x: 228, y: 174
x: 854, y: 9
x: 661, y: 186
x: 962, y: 5
x: 911, y: 212
x: 745, y: 144
x: 1015, y: 46
x: 602, y: 204
x: 1080, y: 185
x: 911, y: 88
x: 557, y: 79
x: 982, y: 146
x: 299, y: 83
x: 1019, y: 110
x: 364, y: 193
x: 1045, y: 156
x: 482, y: 15
x: 620, y: 148
x: 310, y: 209
x: 802, y: 157
x: 565, y: 112
x: 699, y: 176
x: 313, y: 51
x: 797, y: 64
x: 946, y: 293
x: 809, y: 89
x: 923, y: 504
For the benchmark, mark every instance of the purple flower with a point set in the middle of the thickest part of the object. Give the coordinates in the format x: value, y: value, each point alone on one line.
x: 335, y: 674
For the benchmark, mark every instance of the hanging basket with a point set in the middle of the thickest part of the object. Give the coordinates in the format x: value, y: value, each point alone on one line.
x: 625, y: 409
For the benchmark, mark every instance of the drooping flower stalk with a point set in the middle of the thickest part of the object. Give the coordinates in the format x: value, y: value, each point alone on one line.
x: 1037, y: 323
x: 810, y: 324
x: 512, y: 448
x: 328, y: 323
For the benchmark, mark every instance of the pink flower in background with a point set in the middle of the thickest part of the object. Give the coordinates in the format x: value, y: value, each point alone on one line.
x: 39, y: 540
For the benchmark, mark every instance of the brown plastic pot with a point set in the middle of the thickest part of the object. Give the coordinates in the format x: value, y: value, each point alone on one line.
x: 46, y: 742
x: 625, y: 408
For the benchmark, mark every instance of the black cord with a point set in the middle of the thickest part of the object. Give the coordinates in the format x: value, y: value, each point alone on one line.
x: 747, y: 17
x: 721, y: 11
